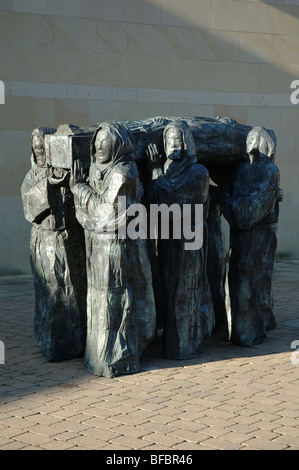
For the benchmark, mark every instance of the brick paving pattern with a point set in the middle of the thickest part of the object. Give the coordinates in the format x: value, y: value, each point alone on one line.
x: 229, y: 398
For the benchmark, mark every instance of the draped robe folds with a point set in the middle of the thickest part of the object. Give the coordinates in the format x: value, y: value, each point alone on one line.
x: 57, y: 256
x: 189, y: 315
x: 252, y: 212
x: 216, y: 265
x: 121, y: 319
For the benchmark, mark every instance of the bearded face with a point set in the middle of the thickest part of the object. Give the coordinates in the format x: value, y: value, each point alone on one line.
x: 174, y: 144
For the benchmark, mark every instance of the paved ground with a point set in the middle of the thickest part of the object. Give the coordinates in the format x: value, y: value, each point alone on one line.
x: 228, y: 398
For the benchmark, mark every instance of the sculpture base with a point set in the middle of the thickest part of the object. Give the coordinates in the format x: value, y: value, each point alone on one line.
x: 124, y: 367
x: 254, y: 342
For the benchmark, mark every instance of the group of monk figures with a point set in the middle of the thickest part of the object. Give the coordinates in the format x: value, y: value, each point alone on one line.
x: 104, y: 296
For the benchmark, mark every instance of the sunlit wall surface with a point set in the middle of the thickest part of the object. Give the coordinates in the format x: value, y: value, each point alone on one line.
x: 84, y: 61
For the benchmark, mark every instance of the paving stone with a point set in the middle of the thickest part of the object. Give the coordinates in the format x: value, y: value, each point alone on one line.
x: 132, y: 431
x: 266, y: 444
x: 221, y: 444
x: 161, y: 439
x: 230, y: 398
x: 130, y: 442
x: 190, y: 436
x: 33, y: 438
x: 14, y: 445
x: 87, y: 443
x: 57, y: 445
x: 96, y: 422
x: 102, y: 434
x: 190, y: 446
x: 289, y: 440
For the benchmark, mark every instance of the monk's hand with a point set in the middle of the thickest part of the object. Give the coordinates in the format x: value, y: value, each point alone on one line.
x: 58, y: 176
x: 77, y: 174
x: 154, y: 158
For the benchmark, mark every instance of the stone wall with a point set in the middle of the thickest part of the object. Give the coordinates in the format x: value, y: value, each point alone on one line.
x: 84, y: 61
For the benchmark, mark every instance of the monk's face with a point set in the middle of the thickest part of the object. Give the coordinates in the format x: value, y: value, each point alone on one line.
x: 38, y: 149
x: 174, y: 144
x: 252, y: 143
x: 103, y: 145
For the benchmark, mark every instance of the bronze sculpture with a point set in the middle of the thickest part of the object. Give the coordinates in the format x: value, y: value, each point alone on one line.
x: 189, y: 315
x: 121, y: 318
x: 102, y: 288
x: 57, y: 255
x: 252, y: 212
